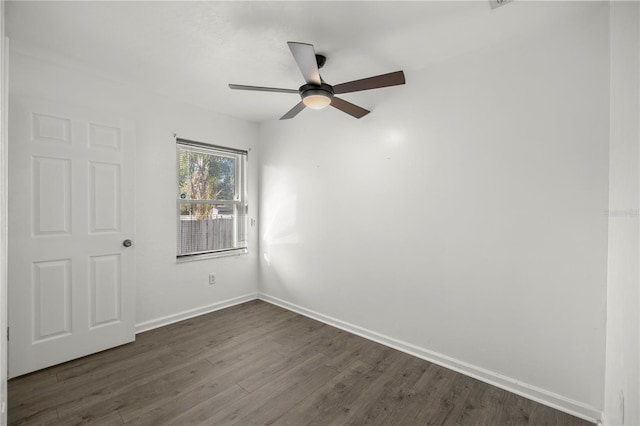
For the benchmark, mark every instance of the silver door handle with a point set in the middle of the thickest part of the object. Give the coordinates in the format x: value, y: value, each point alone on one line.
x: 127, y: 243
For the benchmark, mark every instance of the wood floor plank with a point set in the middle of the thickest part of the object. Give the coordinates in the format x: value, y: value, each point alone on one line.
x: 27, y: 385
x: 34, y: 417
x: 328, y: 401
x: 267, y: 403
x: 397, y: 395
x: 161, y: 384
x: 90, y: 418
x: 279, y: 403
x: 433, y: 381
x: 72, y: 393
x: 452, y: 402
x: 258, y: 364
x: 346, y: 347
x: 93, y: 371
x: 226, y: 325
x: 286, y: 364
x: 365, y: 393
x: 474, y: 409
x: 222, y: 375
x: 203, y: 411
x: 226, y: 335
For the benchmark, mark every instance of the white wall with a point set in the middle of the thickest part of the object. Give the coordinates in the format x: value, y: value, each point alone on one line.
x: 464, y: 219
x: 166, y: 291
x: 622, y: 396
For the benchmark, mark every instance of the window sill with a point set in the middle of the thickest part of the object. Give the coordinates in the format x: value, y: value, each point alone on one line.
x: 214, y: 255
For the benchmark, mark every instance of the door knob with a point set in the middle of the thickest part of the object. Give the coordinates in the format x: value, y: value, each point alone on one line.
x: 127, y: 243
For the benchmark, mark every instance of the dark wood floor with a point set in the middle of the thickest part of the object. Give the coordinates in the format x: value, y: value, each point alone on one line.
x: 259, y: 364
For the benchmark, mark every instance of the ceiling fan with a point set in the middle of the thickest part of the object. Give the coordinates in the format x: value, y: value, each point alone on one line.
x: 316, y: 94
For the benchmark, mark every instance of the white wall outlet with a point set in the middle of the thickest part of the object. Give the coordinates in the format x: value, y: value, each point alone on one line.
x: 212, y: 279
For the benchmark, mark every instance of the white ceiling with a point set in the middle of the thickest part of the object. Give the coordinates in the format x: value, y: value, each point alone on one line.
x: 189, y: 51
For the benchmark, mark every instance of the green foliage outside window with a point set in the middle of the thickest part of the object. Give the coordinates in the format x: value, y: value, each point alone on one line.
x: 205, y: 177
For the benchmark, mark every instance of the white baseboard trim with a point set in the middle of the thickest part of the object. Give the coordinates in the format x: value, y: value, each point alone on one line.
x: 170, y: 319
x: 559, y: 402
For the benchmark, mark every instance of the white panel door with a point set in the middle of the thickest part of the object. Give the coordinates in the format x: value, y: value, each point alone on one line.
x: 71, y: 207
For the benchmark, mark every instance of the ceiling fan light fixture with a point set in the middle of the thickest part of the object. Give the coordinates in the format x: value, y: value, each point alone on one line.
x: 316, y: 94
x: 316, y: 99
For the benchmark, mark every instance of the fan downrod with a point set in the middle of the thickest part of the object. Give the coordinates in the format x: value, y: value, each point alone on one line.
x: 320, y: 60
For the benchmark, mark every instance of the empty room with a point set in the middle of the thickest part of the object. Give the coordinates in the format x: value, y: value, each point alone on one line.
x: 320, y: 212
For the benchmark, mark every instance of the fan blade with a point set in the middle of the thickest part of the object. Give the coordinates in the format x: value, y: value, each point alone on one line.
x: 293, y: 111
x: 305, y: 57
x: 261, y: 89
x: 384, y: 80
x: 348, y: 107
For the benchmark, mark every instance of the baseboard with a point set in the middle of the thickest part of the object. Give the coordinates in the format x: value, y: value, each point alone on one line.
x: 559, y: 402
x: 170, y: 319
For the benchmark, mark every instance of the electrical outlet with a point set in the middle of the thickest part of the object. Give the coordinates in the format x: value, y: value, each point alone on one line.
x: 212, y: 279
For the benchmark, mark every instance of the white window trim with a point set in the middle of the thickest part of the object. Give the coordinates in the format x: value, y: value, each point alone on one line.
x: 241, y: 201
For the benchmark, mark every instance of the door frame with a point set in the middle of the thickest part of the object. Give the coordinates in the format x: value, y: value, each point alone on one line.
x: 4, y: 102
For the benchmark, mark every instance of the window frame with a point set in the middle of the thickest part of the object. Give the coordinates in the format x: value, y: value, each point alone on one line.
x: 240, y: 203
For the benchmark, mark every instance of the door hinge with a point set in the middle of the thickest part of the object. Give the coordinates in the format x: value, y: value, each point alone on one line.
x: 7, y: 334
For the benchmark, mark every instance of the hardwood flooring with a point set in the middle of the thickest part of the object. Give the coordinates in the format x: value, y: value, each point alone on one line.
x: 258, y: 364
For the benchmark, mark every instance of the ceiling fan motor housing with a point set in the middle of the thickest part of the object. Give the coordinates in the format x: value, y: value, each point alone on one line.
x: 316, y: 96
x: 323, y: 89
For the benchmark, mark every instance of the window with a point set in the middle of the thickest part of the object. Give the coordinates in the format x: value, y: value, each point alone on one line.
x: 211, y: 201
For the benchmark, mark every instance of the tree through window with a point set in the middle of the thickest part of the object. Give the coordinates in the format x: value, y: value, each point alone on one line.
x: 212, y: 207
